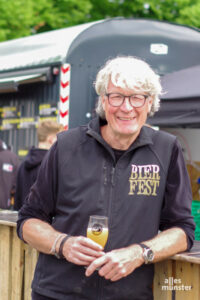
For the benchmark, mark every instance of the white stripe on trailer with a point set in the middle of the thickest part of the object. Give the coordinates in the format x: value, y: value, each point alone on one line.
x: 64, y: 95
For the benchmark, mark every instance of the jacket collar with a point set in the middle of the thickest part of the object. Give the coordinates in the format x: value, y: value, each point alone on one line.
x: 144, y: 138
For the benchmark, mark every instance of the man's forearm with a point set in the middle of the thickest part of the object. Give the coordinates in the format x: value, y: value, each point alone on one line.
x: 39, y: 235
x: 168, y: 243
x: 42, y: 236
x: 119, y: 263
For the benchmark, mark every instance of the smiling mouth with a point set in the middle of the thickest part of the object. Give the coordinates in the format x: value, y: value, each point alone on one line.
x: 126, y: 119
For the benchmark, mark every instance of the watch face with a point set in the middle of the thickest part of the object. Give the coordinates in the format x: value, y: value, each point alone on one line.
x: 148, y: 256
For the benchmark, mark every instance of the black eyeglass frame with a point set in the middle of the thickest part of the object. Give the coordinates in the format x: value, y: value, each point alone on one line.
x: 129, y: 98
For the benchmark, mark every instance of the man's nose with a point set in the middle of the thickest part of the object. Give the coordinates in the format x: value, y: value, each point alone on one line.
x: 126, y: 106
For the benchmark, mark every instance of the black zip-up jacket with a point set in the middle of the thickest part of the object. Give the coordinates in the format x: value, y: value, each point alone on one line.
x: 147, y: 190
x: 27, y: 174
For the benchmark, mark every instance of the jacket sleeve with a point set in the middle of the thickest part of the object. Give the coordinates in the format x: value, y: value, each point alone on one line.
x: 41, y: 201
x: 16, y: 164
x: 18, y: 194
x: 176, y: 211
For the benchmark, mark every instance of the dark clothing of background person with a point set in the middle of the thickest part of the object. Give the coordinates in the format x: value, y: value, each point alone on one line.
x: 9, y: 163
x: 27, y: 174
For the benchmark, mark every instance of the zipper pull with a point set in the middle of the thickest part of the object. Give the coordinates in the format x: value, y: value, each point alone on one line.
x: 112, y: 176
x: 105, y: 174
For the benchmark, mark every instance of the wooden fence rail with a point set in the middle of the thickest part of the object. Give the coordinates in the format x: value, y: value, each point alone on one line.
x: 17, y: 264
x: 177, y: 278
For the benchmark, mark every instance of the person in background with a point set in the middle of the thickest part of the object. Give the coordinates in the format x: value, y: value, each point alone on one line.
x: 27, y: 174
x: 115, y: 166
x: 9, y: 163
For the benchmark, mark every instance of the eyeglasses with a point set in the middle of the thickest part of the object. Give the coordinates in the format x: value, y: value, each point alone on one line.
x: 116, y: 99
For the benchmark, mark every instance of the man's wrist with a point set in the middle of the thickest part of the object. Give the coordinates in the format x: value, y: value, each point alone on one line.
x: 55, y: 244
x: 60, y: 250
x: 140, y: 251
x: 148, y: 254
x: 137, y: 254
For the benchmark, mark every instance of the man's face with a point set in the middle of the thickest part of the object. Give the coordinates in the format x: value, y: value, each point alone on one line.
x: 125, y: 120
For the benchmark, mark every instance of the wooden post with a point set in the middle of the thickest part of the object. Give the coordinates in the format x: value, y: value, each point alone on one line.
x: 188, y: 274
x: 163, y: 271
x: 31, y: 256
x: 5, y: 262
x: 17, y: 267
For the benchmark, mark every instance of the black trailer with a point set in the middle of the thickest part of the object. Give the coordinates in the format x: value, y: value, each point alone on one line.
x: 52, y: 74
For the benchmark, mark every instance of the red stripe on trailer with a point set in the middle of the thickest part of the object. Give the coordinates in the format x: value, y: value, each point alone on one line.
x: 64, y: 99
x: 63, y: 114
x: 64, y: 84
x: 65, y: 69
x: 66, y: 127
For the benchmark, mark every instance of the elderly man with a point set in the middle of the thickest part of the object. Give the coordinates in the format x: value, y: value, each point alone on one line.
x: 115, y: 167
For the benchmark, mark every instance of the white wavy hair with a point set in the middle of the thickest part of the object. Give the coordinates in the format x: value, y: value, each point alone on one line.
x: 128, y: 72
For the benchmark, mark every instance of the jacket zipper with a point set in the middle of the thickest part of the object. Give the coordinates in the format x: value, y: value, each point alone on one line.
x: 112, y: 176
x: 112, y: 173
x: 100, y: 288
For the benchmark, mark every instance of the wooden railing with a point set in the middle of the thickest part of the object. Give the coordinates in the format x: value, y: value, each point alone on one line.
x: 17, y: 264
x: 176, y: 278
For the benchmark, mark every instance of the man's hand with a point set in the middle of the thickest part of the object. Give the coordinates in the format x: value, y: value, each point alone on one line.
x: 81, y: 250
x: 118, y: 263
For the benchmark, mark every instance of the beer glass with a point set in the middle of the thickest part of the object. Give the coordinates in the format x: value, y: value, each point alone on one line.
x: 98, y: 229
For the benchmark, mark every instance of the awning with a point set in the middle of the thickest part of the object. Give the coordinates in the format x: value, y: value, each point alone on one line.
x: 180, y: 103
x: 177, y: 113
x: 182, y: 84
x: 10, y: 82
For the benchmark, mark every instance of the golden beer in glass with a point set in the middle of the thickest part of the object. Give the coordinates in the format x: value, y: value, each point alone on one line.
x: 98, y: 229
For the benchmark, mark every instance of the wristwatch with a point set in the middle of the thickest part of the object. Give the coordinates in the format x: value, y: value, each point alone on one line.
x: 148, y: 254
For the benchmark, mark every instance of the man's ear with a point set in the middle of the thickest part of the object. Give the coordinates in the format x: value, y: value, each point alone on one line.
x: 51, y: 139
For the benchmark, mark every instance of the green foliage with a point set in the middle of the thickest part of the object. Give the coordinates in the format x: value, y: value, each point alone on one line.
x: 25, y: 17
x: 15, y: 18
x: 63, y: 13
x: 190, y: 15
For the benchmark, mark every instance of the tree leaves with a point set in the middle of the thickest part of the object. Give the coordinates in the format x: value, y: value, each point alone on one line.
x: 25, y: 17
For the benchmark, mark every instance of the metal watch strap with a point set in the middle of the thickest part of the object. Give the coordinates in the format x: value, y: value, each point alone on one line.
x: 60, y: 251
